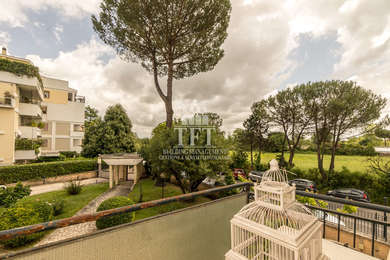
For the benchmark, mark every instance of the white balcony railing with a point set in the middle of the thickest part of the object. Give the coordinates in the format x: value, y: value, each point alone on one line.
x: 29, y: 132
x: 33, y: 110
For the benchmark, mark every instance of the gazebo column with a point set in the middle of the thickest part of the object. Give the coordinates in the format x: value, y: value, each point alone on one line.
x: 116, y: 174
x: 135, y: 171
x: 111, y: 179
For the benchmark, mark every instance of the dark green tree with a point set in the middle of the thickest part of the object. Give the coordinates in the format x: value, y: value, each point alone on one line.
x: 176, y: 39
x: 109, y: 135
x: 188, y: 173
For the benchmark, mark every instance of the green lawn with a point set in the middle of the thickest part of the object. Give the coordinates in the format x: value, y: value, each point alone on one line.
x: 151, y: 192
x: 73, y: 203
x: 309, y: 160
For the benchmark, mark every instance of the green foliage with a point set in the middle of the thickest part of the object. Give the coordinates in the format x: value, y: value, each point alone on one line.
x: 24, y: 213
x: 122, y: 218
x: 16, y: 173
x: 239, y: 160
x: 188, y: 173
x: 258, y: 166
x: 69, y: 154
x: 111, y: 135
x: 312, y: 201
x: 349, y: 209
x: 73, y: 187
x: 11, y: 195
x: 27, y: 144
x: 58, y: 206
x: 20, y: 69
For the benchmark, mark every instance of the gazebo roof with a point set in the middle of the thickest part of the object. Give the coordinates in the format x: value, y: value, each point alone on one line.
x: 122, y: 159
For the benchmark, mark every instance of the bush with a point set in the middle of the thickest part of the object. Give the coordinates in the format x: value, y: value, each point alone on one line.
x: 36, y: 171
x: 73, y: 188
x: 24, y: 213
x: 115, y: 202
x: 11, y: 195
x: 70, y: 154
x: 58, y: 206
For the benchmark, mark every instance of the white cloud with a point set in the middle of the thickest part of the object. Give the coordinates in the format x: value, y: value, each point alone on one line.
x: 5, y: 38
x: 58, y: 29
x: 262, y: 34
x: 15, y: 12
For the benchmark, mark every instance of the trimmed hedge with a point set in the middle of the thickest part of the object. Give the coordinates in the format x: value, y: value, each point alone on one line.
x: 24, y: 214
x: 122, y: 218
x: 36, y: 171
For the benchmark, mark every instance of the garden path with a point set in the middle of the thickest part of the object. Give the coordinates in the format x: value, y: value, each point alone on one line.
x: 85, y: 228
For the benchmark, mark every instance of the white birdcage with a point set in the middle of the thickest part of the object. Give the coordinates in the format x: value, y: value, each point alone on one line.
x: 275, y: 226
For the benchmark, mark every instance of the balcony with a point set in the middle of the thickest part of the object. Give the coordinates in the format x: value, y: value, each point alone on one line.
x: 7, y: 102
x: 198, y: 232
x: 30, y: 109
x: 25, y: 155
x: 24, y: 82
x: 29, y: 132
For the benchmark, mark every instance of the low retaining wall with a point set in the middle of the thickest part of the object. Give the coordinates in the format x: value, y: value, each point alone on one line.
x: 62, y: 178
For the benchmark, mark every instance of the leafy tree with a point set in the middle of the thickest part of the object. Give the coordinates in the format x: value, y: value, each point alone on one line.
x: 336, y: 107
x: 257, y: 124
x: 383, y: 133
x: 244, y: 140
x: 109, y: 135
x: 287, y: 111
x: 176, y: 39
x: 189, y: 173
x: 91, y: 114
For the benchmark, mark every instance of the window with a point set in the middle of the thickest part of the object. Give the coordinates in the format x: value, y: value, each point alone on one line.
x: 44, y: 109
x: 46, y: 94
x: 70, y: 96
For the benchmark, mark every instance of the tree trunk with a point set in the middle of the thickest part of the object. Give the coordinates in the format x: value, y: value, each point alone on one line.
x: 332, y: 158
x: 321, y: 163
x: 168, y: 103
x: 291, y: 158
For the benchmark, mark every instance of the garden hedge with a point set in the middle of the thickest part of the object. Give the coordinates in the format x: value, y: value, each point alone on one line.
x: 118, y: 219
x: 36, y: 171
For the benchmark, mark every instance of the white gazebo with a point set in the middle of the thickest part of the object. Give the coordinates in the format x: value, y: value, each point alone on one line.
x: 275, y: 226
x: 122, y: 167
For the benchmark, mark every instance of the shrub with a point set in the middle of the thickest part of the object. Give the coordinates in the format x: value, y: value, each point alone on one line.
x: 11, y: 195
x: 70, y: 154
x: 73, y: 188
x: 24, y: 213
x: 110, y: 221
x: 36, y: 171
x: 58, y: 206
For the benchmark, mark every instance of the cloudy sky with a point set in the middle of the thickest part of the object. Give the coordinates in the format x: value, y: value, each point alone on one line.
x: 271, y: 45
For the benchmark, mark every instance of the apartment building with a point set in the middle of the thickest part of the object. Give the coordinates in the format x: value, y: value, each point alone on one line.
x: 63, y: 113
x: 33, y: 109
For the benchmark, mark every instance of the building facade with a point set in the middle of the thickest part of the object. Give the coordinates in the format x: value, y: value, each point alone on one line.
x: 32, y: 108
x: 63, y: 113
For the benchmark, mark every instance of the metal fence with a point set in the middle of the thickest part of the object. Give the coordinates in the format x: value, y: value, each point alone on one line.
x: 369, y: 221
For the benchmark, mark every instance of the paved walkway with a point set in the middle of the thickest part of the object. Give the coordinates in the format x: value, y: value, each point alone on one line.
x: 85, y: 228
x: 60, y: 185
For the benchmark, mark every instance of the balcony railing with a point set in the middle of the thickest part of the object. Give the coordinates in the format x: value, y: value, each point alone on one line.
x: 243, y: 187
x: 79, y: 99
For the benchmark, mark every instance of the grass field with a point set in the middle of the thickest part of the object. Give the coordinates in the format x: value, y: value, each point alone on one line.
x: 151, y: 192
x: 73, y: 203
x: 309, y: 160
